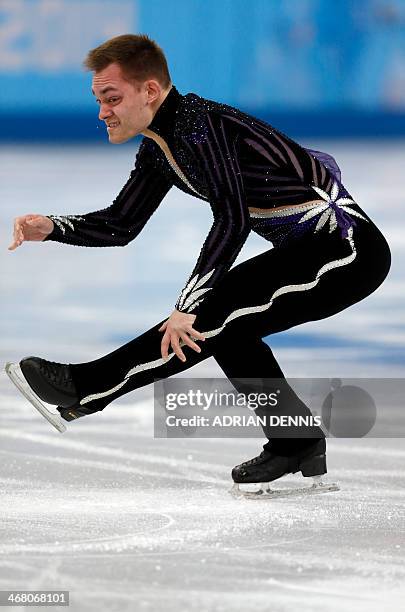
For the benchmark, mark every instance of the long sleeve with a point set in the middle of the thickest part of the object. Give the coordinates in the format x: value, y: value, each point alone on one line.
x: 121, y: 222
x: 217, y: 155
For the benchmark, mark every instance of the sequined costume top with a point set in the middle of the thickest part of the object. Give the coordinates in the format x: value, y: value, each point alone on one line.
x: 242, y: 166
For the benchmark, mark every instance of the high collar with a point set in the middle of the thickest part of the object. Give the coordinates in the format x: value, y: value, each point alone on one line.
x: 164, y: 119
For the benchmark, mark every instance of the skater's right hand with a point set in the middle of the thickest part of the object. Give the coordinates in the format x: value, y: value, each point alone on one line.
x: 179, y: 326
x: 30, y: 227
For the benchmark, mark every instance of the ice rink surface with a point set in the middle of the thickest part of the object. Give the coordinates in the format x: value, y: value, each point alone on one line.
x: 128, y: 522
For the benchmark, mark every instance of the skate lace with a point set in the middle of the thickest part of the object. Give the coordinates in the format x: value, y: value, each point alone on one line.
x: 56, y: 372
x: 255, y: 459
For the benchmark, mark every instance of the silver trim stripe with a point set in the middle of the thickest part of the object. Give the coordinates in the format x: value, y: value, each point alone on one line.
x: 182, y: 176
x: 287, y: 211
x: 234, y: 315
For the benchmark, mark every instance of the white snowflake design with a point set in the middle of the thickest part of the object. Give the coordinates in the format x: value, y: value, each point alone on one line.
x: 60, y: 220
x: 332, y: 210
x: 188, y: 297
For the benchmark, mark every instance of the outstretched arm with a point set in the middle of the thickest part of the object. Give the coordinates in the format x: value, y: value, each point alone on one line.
x: 121, y: 222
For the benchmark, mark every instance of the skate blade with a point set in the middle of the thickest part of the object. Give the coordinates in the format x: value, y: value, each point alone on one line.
x: 265, y: 492
x: 15, y: 374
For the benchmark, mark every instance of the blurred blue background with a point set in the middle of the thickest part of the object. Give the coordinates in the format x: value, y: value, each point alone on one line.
x: 309, y: 67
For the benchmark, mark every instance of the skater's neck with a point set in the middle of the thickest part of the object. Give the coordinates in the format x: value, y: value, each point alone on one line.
x: 163, y: 122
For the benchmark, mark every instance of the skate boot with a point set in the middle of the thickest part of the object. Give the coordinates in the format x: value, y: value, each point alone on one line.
x: 38, y: 379
x: 51, y: 381
x: 268, y: 466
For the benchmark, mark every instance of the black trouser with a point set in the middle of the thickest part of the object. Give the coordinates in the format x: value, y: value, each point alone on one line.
x: 313, y: 277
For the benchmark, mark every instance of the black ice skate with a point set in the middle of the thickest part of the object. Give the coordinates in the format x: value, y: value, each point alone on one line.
x: 39, y: 379
x: 268, y: 466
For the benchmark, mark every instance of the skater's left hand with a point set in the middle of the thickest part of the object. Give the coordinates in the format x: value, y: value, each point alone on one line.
x: 178, y: 326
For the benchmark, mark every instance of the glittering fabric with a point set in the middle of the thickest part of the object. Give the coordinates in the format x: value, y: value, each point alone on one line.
x: 232, y: 160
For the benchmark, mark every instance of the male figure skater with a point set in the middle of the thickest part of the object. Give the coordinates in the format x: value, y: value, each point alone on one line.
x: 328, y: 254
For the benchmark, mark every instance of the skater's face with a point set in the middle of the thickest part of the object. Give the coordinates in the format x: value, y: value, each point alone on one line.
x: 126, y: 107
